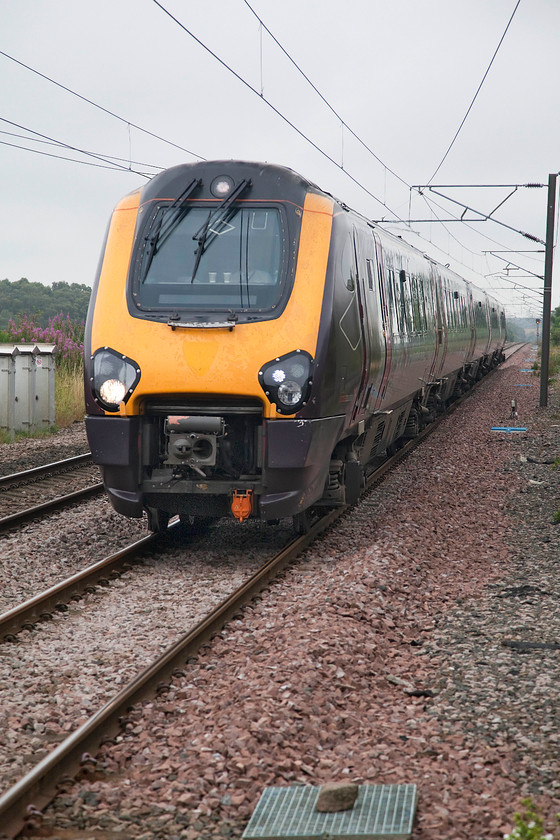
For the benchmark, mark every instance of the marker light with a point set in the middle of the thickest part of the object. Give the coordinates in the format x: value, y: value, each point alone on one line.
x: 286, y: 381
x: 114, y: 378
x: 221, y: 186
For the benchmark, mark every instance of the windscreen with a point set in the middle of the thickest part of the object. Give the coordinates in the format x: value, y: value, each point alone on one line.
x: 196, y: 260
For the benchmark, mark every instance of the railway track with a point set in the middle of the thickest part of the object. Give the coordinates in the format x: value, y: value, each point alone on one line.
x: 26, y: 495
x: 28, y: 796
x: 40, y: 607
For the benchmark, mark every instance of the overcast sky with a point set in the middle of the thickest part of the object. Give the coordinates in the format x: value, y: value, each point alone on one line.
x: 400, y: 75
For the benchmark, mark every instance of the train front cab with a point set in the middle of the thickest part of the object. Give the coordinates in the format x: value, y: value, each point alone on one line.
x: 200, y: 427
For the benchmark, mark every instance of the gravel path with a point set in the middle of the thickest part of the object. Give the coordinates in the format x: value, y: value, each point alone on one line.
x: 416, y: 642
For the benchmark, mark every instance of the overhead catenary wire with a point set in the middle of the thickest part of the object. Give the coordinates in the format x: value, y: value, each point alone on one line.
x: 344, y: 125
x: 159, y: 137
x: 101, y: 107
x: 111, y: 167
x: 275, y: 109
x: 430, y: 202
x: 109, y: 159
x: 290, y: 123
x: 486, y: 216
x: 60, y: 143
x: 322, y: 97
x: 440, y: 164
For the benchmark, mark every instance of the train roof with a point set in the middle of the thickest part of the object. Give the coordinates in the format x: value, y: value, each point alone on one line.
x: 268, y: 176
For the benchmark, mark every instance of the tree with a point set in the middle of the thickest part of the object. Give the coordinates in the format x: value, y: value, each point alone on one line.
x: 555, y: 327
x: 40, y: 302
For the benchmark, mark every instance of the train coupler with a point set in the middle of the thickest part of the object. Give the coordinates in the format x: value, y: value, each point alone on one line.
x: 242, y: 504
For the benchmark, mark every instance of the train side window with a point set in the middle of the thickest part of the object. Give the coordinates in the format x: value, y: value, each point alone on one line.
x: 399, y: 303
x: 392, y: 302
x: 428, y: 303
x: 369, y: 265
x: 444, y: 305
x: 424, y: 302
x: 418, y: 303
x: 396, y: 302
x: 456, y: 309
x: 405, y: 301
x: 453, y: 304
x: 448, y: 308
x: 421, y: 317
x: 415, y: 305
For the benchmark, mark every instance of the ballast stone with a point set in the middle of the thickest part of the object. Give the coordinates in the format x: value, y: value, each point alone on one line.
x: 337, y: 796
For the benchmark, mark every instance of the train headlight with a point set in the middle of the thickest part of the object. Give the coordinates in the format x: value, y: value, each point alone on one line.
x: 114, y: 378
x: 286, y: 381
x: 112, y: 391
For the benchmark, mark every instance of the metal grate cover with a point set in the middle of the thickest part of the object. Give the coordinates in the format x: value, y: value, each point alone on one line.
x: 381, y: 812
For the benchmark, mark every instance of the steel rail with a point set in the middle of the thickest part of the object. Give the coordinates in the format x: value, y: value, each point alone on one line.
x: 37, y: 788
x: 55, y: 466
x: 53, y: 598
x: 50, y: 506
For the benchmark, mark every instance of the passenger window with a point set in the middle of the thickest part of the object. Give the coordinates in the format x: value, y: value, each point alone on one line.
x: 369, y: 264
x: 418, y: 303
x: 405, y: 298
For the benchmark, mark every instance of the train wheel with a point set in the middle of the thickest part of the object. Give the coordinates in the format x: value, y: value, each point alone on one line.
x: 158, y: 520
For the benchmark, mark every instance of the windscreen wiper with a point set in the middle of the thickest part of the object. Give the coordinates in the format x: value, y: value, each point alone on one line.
x: 218, y: 215
x: 173, y: 214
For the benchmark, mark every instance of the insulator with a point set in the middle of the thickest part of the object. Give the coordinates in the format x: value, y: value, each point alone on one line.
x: 531, y: 237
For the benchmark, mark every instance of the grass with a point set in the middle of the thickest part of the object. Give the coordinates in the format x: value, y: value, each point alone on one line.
x: 554, y: 367
x: 529, y: 824
x: 69, y: 395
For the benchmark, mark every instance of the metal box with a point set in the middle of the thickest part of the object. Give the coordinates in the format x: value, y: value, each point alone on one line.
x: 27, y: 401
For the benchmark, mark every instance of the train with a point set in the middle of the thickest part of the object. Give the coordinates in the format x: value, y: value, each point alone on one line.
x: 253, y: 346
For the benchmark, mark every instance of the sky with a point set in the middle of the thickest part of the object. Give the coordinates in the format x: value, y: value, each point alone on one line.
x: 396, y: 81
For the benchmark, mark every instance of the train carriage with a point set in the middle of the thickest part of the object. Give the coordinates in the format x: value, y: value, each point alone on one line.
x: 252, y: 344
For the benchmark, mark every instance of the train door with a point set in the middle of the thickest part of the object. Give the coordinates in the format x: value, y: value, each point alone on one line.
x: 441, y: 338
x: 364, y: 324
x: 373, y: 312
x: 447, y: 324
x: 386, y: 321
x: 472, y: 324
